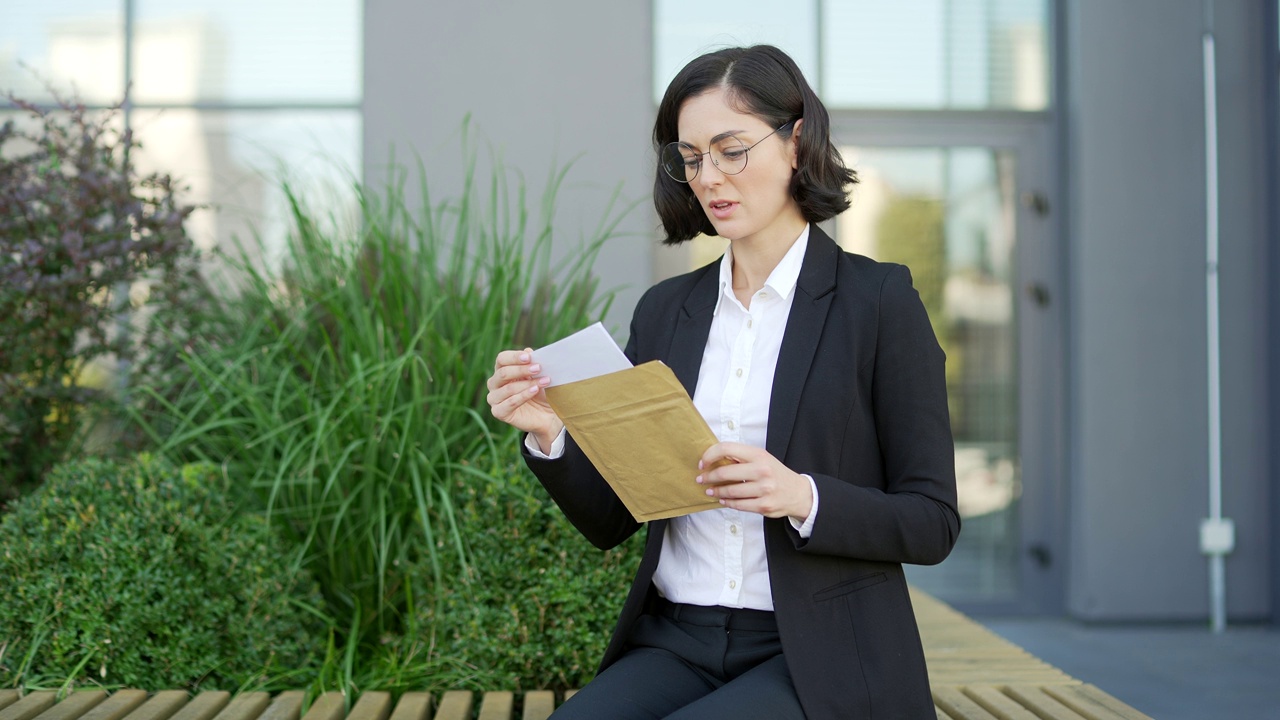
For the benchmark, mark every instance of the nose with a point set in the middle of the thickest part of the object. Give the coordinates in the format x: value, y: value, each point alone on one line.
x: 709, y: 174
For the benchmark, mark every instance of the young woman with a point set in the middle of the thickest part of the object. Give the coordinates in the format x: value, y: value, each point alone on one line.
x: 819, y: 372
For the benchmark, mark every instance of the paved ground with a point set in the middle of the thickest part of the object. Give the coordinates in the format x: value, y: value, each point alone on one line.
x: 1168, y: 672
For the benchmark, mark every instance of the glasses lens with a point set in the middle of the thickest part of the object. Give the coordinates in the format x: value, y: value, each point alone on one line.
x: 680, y: 161
x: 730, y: 155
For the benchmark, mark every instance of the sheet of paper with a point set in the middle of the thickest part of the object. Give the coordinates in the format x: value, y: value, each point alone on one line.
x: 641, y: 431
x: 588, y: 353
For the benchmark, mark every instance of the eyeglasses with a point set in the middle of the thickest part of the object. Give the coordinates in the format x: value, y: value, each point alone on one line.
x: 682, y: 161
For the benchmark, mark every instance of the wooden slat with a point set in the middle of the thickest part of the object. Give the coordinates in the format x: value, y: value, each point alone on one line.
x: 942, y: 714
x: 413, y: 706
x: 74, y: 705
x: 329, y: 706
x: 455, y: 705
x: 1094, y: 704
x: 958, y: 705
x: 998, y: 704
x: 121, y: 703
x: 1045, y: 707
x: 245, y: 707
x: 373, y: 705
x: 204, y: 706
x: 161, y: 705
x: 538, y: 705
x: 497, y: 705
x: 30, y: 706
x: 285, y: 706
x: 7, y: 698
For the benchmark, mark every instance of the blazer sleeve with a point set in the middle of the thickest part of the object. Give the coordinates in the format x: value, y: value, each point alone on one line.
x: 575, y: 485
x: 911, y: 516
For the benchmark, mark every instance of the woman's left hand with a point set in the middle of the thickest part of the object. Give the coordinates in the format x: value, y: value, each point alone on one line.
x: 754, y: 481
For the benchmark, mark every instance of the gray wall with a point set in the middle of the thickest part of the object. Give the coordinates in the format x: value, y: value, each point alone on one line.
x: 544, y: 82
x: 1135, y: 163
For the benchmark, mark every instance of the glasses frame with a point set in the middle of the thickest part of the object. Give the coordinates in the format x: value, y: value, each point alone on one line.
x: 746, y: 155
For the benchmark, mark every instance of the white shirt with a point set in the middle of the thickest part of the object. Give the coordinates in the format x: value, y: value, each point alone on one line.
x: 717, y: 557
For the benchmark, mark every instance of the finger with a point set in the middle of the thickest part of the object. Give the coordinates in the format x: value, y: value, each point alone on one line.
x: 507, y: 373
x: 513, y: 357
x: 504, y: 400
x: 730, y: 473
x: 727, y: 451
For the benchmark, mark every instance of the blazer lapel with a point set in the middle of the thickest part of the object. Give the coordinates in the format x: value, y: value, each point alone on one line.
x: 692, y: 329
x: 813, y: 295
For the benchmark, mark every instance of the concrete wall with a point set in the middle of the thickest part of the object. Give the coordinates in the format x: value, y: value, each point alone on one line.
x: 545, y: 83
x: 1135, y: 164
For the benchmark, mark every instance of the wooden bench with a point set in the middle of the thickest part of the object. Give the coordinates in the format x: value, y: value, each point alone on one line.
x: 976, y: 675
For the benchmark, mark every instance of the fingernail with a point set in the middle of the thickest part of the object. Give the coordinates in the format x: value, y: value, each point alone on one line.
x: 710, y: 491
x: 544, y: 381
x: 534, y: 390
x: 698, y: 479
x: 699, y: 464
x: 534, y: 368
x: 524, y: 357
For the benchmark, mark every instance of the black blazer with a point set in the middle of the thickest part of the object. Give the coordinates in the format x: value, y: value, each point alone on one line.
x: 859, y: 403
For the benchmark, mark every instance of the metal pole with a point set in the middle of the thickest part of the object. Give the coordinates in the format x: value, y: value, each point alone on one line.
x: 1216, y: 535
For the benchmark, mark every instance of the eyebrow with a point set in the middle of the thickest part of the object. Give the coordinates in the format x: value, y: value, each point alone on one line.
x: 717, y: 138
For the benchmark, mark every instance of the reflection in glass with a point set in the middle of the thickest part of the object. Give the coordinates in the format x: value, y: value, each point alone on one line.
x: 234, y: 162
x: 272, y: 51
x: 77, y: 46
x: 685, y: 29
x: 935, y: 54
x: 948, y: 215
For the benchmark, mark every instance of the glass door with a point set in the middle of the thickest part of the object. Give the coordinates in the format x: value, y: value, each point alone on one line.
x: 967, y: 214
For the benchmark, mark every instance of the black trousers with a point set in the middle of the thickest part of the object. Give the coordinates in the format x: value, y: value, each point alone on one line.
x: 686, y: 662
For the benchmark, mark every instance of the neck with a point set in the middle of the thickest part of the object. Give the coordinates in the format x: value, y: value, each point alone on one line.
x: 755, y: 257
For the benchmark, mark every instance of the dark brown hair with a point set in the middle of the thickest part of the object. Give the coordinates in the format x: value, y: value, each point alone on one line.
x: 765, y: 82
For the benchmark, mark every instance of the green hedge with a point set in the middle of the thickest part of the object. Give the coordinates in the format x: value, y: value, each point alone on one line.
x: 538, y: 602
x: 141, y: 574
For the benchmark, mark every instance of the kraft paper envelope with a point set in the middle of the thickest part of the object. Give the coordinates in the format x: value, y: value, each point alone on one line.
x: 642, y: 432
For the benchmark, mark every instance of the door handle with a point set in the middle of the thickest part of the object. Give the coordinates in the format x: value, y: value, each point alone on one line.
x: 1038, y: 293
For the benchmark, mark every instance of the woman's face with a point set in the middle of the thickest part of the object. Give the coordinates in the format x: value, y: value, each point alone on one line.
x: 755, y: 204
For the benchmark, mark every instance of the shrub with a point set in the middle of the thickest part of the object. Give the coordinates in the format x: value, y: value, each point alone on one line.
x: 350, y: 397
x: 79, y: 227
x: 538, y: 603
x: 141, y: 575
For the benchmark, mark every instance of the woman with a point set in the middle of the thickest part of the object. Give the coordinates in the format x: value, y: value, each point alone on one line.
x: 819, y: 372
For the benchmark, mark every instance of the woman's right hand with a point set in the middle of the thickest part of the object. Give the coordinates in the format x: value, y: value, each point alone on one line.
x: 516, y: 397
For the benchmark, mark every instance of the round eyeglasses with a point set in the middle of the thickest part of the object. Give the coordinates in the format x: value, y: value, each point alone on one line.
x: 682, y: 161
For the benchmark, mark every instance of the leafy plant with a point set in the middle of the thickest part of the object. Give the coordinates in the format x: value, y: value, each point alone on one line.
x: 349, y: 395
x: 142, y: 575
x: 80, y: 230
x: 537, y: 603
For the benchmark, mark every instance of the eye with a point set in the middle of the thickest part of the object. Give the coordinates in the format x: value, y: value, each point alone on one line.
x: 734, y: 153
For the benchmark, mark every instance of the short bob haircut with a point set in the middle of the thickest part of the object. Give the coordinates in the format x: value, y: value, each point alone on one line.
x: 765, y: 82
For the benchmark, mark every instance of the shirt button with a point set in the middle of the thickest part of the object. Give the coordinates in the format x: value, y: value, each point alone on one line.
x: 730, y: 424
x: 732, y: 584
x: 733, y: 529
x: 739, y: 373
x: 748, y: 322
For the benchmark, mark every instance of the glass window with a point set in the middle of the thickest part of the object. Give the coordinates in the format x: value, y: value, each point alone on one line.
x: 684, y: 29
x: 948, y: 215
x: 233, y: 162
x: 74, y: 45
x: 260, y: 51
x: 936, y: 54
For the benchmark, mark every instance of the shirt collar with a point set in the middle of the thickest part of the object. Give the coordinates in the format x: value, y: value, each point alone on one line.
x: 782, y: 280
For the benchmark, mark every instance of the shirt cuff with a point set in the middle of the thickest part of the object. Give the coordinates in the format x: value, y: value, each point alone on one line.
x: 805, y: 528
x: 557, y: 448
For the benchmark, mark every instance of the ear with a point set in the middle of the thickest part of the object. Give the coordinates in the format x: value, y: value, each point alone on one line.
x: 795, y: 144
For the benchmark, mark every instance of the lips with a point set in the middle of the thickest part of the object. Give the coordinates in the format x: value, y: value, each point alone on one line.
x: 722, y: 209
